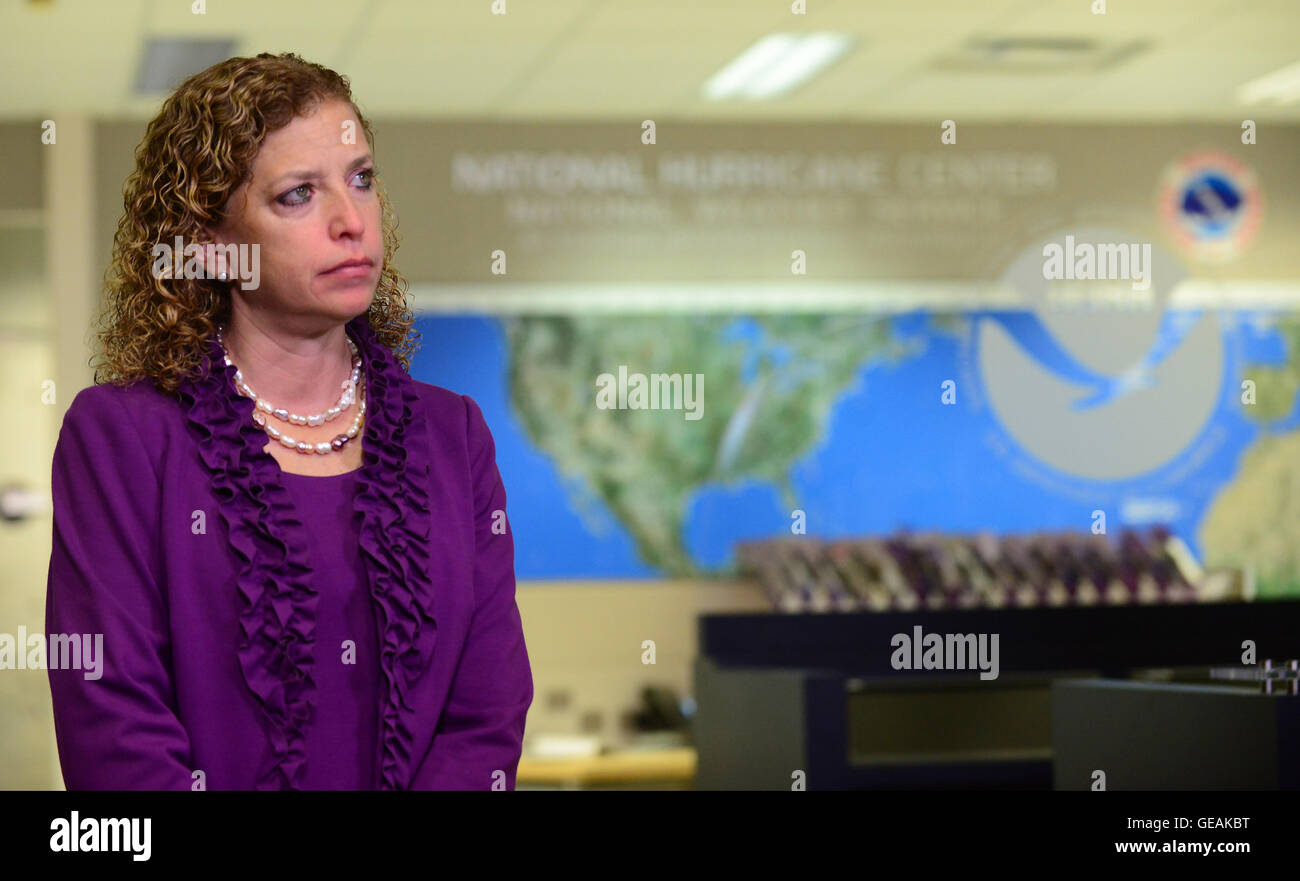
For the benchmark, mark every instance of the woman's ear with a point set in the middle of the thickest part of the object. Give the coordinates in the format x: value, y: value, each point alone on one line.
x: 214, y: 254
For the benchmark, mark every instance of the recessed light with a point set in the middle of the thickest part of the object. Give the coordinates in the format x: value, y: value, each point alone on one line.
x: 777, y: 64
x: 1279, y: 87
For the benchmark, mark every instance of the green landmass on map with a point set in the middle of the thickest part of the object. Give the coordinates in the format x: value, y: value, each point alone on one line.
x: 1254, y: 522
x: 644, y: 465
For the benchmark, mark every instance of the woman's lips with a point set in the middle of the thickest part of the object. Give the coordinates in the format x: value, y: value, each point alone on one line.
x: 352, y: 270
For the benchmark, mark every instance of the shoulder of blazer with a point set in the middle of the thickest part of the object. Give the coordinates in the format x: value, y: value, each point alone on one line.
x: 139, y: 407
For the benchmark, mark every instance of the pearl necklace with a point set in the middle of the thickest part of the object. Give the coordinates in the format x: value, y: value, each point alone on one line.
x: 345, y: 400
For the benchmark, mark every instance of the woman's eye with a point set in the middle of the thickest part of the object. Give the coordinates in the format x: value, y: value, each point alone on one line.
x: 369, y: 174
x: 291, y: 192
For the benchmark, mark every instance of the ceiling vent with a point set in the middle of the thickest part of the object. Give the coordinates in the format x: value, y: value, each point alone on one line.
x: 167, y: 61
x: 1035, y: 55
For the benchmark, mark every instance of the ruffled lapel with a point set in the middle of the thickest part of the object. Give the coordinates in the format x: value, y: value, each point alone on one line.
x: 394, y: 520
x: 275, y: 584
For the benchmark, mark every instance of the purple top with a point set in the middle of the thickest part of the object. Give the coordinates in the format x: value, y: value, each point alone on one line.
x: 342, y: 739
x: 281, y: 631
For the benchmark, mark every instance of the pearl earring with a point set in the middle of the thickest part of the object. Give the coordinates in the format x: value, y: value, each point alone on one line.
x: 221, y: 276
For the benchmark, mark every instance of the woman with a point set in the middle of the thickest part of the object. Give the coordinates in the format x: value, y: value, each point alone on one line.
x: 297, y: 554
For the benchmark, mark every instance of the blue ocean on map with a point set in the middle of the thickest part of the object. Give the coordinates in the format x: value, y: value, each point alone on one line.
x: 889, y: 458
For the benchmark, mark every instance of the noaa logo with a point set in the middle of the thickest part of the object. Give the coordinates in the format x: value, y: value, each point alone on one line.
x: 1096, y: 375
x: 1211, y: 205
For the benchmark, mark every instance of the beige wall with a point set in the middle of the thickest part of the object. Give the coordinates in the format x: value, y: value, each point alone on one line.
x: 585, y: 646
x: 27, y: 759
x: 1107, y: 174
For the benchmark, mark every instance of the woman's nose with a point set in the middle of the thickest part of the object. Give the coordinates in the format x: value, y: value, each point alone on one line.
x: 346, y: 216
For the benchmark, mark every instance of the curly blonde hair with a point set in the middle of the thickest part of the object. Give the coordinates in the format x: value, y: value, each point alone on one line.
x: 195, y: 153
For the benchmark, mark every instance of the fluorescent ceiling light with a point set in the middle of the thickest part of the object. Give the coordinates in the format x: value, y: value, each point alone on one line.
x: 1280, y: 86
x: 777, y: 64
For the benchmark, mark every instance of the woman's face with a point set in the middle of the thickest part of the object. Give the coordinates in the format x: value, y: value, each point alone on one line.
x: 311, y: 204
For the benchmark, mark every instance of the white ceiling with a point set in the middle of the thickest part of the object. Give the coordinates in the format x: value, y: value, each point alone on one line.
x: 639, y: 59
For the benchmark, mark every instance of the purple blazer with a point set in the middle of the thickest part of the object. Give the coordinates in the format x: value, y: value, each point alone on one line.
x: 209, y: 634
